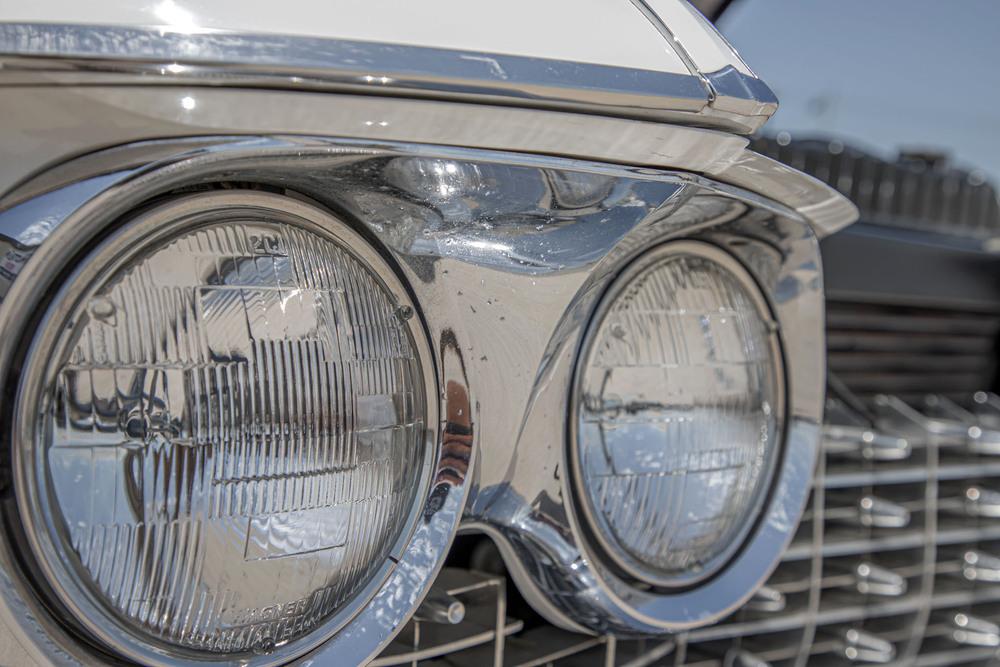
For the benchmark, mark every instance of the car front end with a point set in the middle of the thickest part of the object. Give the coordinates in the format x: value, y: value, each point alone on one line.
x: 290, y: 300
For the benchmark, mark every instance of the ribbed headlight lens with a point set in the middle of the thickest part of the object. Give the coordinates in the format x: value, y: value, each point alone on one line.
x: 230, y: 434
x: 678, y: 414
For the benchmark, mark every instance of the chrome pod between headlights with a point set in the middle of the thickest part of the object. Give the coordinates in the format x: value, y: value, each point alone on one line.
x: 506, y: 264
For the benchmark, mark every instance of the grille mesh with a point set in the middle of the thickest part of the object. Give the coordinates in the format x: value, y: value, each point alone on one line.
x: 891, y: 555
x: 879, y: 570
x: 897, y: 558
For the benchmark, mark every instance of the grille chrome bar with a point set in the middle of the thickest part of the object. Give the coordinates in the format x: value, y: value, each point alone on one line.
x: 923, y: 591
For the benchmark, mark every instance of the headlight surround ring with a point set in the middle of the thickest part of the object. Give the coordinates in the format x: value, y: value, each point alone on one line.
x: 148, y: 229
x: 789, y: 282
x: 601, y: 535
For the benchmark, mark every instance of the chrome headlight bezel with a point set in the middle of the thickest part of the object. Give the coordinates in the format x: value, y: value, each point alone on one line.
x: 596, y: 527
x: 782, y: 257
x: 429, y: 522
x: 511, y: 419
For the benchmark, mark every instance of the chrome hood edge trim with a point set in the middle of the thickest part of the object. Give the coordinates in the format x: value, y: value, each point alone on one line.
x: 742, y: 104
x: 113, y: 115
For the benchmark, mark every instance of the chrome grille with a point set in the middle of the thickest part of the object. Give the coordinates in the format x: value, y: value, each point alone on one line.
x: 896, y: 561
x: 897, y: 558
x: 909, y: 351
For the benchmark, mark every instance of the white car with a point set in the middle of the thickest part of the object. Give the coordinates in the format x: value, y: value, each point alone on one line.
x: 291, y: 294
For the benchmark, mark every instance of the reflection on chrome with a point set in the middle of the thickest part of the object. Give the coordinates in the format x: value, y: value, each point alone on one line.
x: 175, y: 17
x: 506, y: 258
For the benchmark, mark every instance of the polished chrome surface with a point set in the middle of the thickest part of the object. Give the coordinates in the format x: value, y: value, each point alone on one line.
x: 110, y: 115
x: 736, y: 94
x: 888, y: 592
x: 739, y: 94
x: 442, y: 608
x: 767, y: 598
x: 876, y: 512
x: 864, y: 647
x: 483, y: 628
x: 876, y: 580
x: 231, y: 430
x: 299, y: 62
x: 585, y: 587
x: 975, y: 631
x: 868, y: 594
x: 979, y: 566
x: 920, y: 595
x: 675, y: 436
x: 410, y: 569
x: 505, y: 255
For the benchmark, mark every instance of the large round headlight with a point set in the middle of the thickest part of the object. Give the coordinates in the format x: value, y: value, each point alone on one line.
x: 227, y: 437
x: 679, y: 393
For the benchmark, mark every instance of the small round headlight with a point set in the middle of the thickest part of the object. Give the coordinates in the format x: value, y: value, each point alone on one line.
x: 679, y: 397
x: 227, y: 441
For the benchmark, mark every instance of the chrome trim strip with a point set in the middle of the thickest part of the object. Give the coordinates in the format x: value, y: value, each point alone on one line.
x: 34, y: 52
x: 668, y: 36
x: 731, y: 92
x: 738, y: 93
x: 217, y: 58
x: 114, y: 115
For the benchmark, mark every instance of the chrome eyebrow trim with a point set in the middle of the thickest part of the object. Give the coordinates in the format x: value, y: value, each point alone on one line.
x: 116, y: 115
x: 31, y: 53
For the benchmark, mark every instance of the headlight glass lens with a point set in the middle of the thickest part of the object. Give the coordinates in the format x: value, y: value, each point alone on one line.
x: 231, y: 435
x: 678, y: 413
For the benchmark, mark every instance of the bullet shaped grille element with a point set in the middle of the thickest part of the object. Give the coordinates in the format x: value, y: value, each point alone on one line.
x: 979, y: 566
x: 982, y: 502
x: 767, y: 599
x: 864, y: 647
x: 975, y: 631
x: 875, y: 580
x: 878, y: 513
x: 678, y: 424
x: 232, y: 436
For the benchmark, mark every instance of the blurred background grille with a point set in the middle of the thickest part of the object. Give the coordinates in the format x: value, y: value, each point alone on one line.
x: 880, y: 348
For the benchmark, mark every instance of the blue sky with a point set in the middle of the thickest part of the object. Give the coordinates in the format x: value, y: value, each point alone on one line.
x: 880, y: 74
